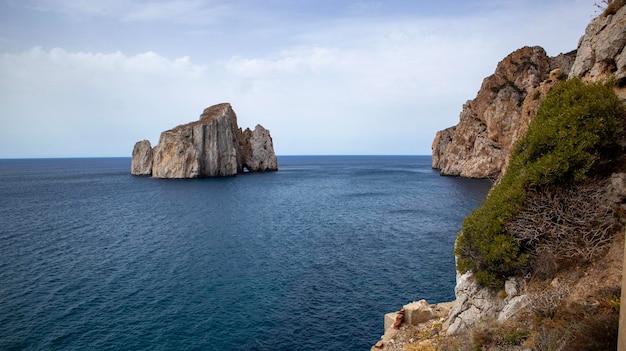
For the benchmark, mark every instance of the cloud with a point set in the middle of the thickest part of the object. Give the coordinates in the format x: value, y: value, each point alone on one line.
x: 355, y: 86
x: 314, y: 99
x: 60, y: 103
x: 187, y: 11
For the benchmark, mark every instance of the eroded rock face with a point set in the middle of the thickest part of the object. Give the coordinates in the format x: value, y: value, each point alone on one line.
x: 475, y: 304
x: 489, y: 125
x: 213, y: 146
x: 142, y: 158
x: 602, y: 49
x: 478, y: 146
x: 258, y: 150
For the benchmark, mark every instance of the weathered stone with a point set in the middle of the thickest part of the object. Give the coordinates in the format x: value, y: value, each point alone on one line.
x: 205, y: 148
x: 418, y: 312
x: 602, y: 49
x: 512, y: 307
x: 512, y: 287
x: 141, y: 163
x: 488, y: 127
x: 399, y: 319
x: 390, y: 319
x: 443, y: 139
x: 258, y: 150
x: 473, y: 304
x: 213, y: 146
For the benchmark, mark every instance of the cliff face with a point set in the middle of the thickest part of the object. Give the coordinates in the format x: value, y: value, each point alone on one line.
x: 478, y: 146
x: 491, y: 123
x: 213, y: 146
x: 601, y: 50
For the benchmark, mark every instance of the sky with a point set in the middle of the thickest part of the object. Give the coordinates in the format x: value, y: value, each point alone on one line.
x: 88, y: 78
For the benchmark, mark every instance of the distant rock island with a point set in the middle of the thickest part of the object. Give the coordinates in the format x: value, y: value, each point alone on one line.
x: 213, y: 146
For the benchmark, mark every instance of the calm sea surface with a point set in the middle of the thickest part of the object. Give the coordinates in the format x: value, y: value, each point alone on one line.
x: 307, y: 258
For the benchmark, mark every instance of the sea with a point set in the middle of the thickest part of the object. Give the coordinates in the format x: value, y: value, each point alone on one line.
x: 307, y: 258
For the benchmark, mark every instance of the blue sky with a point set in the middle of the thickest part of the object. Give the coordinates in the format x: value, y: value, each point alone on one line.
x: 85, y: 78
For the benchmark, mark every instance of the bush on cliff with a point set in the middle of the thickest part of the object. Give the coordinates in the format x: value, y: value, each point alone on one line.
x: 575, y: 135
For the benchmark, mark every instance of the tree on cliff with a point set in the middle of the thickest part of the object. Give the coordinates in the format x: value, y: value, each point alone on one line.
x: 574, y: 137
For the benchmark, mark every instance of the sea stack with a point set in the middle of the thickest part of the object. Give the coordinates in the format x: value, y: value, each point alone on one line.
x: 213, y: 146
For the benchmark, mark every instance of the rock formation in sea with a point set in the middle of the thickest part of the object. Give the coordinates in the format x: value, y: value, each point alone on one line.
x: 142, y: 158
x: 213, y: 146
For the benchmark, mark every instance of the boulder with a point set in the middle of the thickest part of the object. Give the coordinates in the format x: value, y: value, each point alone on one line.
x: 513, y: 307
x: 142, y: 158
x: 418, y: 312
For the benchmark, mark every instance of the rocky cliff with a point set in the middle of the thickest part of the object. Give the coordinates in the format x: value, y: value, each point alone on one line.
x: 213, y: 146
x: 491, y: 123
x: 601, y: 50
x: 575, y: 309
x: 477, y: 147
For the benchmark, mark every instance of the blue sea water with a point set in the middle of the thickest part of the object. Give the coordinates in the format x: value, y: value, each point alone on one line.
x: 307, y: 258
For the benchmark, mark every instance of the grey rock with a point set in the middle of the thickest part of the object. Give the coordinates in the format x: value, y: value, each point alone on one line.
x: 479, y: 145
x: 142, y: 158
x: 513, y: 307
x: 258, y: 150
x: 213, y: 146
x: 475, y: 304
x: 602, y: 49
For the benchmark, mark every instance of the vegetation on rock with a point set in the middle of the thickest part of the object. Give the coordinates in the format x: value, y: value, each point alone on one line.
x: 610, y: 7
x: 574, y: 136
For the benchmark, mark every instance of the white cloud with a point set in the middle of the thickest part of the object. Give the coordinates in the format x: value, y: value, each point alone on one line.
x: 188, y: 11
x: 352, y: 86
x: 57, y: 102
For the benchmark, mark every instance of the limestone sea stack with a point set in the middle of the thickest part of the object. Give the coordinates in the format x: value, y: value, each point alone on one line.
x: 213, y: 146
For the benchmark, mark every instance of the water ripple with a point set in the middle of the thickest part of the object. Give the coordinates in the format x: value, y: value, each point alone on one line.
x: 307, y: 258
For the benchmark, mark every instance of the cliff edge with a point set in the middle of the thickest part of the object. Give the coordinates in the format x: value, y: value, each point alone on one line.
x: 478, y: 145
x: 213, y: 146
x: 562, y: 302
x: 490, y: 124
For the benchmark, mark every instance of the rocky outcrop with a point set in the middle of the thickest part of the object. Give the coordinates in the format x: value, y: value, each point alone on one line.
x: 489, y: 125
x: 142, y: 158
x: 478, y: 146
x: 475, y: 304
x: 213, y: 146
x: 492, y: 122
x: 602, y: 49
x: 417, y: 319
x: 257, y: 150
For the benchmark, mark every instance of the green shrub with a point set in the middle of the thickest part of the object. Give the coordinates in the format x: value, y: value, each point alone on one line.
x: 577, y: 128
